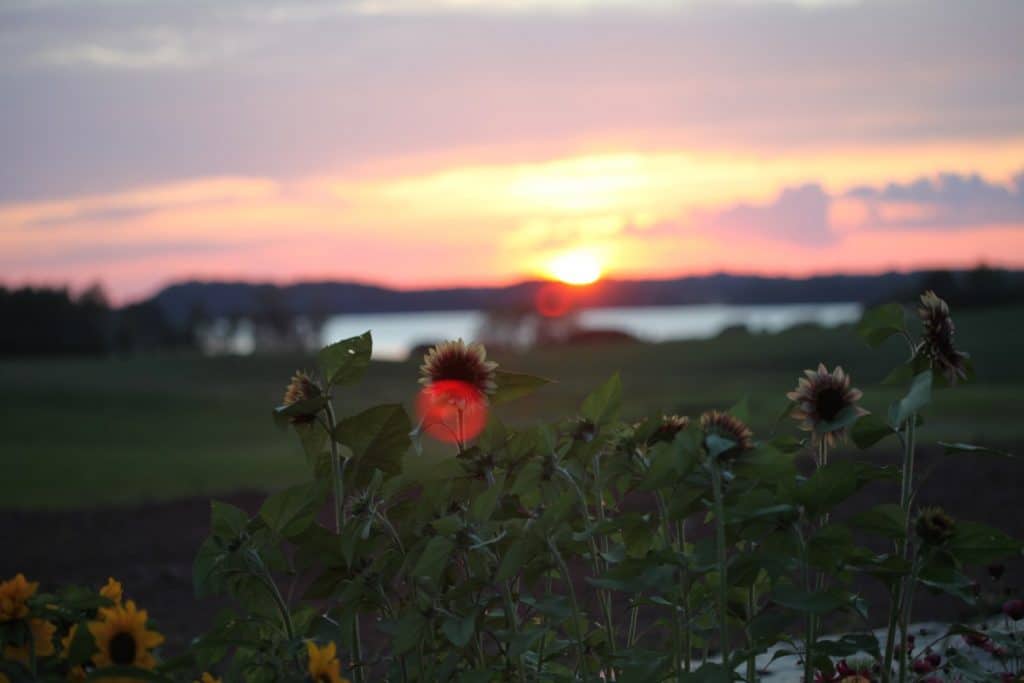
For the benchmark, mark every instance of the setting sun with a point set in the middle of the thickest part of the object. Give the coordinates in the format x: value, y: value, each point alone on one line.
x: 576, y: 267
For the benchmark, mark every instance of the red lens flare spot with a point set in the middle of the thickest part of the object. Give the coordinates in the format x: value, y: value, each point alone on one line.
x: 452, y: 411
x: 553, y: 300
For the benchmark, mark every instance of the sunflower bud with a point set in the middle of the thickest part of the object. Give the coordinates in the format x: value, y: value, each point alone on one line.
x: 302, y: 388
x: 934, y: 526
x: 937, y: 338
x: 669, y: 427
x: 728, y: 427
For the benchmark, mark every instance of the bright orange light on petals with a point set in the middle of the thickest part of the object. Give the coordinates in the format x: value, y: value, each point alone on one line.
x: 452, y: 411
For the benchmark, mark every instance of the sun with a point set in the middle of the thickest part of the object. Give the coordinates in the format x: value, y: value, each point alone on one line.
x: 578, y: 267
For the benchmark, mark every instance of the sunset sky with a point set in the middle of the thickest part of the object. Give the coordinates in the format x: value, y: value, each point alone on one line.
x: 441, y: 142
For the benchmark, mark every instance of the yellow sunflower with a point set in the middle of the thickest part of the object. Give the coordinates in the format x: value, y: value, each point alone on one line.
x: 207, y: 677
x: 42, y: 640
x: 113, y: 591
x: 122, y: 638
x: 324, y: 666
x: 460, y: 362
x: 14, y: 594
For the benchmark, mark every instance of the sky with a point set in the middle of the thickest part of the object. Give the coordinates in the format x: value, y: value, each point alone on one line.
x: 420, y: 143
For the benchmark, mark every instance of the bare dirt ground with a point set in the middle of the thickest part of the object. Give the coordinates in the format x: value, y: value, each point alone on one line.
x: 150, y: 547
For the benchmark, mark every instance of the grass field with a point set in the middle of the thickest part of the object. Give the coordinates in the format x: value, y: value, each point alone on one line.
x: 92, y: 431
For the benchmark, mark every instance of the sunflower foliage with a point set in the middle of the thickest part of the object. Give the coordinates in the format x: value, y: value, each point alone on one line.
x: 597, y: 547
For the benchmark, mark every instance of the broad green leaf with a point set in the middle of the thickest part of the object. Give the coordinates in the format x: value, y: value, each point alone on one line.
x: 313, y: 438
x: 310, y: 406
x: 813, y: 602
x: 880, y: 323
x: 288, y: 512
x: 885, y: 519
x: 602, y: 406
x: 956, y: 448
x: 409, y: 632
x: 517, y: 554
x: 513, y: 385
x: 974, y: 543
x: 918, y: 396
x: 459, y: 630
x: 345, y: 362
x: 378, y: 438
x: 434, y: 558
x: 834, y: 483
x: 869, y: 430
x: 482, y: 507
x: 226, y: 520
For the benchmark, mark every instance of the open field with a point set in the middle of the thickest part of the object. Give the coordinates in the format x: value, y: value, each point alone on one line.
x: 76, y: 432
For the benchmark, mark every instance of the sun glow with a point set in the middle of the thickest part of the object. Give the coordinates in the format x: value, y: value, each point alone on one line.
x: 580, y: 267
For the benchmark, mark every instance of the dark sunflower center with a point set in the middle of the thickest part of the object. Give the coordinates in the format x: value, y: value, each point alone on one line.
x: 122, y: 649
x: 829, y: 403
x: 458, y: 369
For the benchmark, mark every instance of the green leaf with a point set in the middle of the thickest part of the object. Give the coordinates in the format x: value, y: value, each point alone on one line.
x: 289, y: 512
x: 834, y: 483
x: 378, y: 438
x: 345, y: 362
x: 814, y: 602
x: 226, y: 520
x: 409, y: 632
x: 459, y: 630
x: 955, y: 448
x: 885, y: 520
x: 869, y: 430
x: 602, y: 406
x: 311, y: 406
x: 513, y: 385
x: 918, y: 396
x: 515, y: 557
x: 846, y: 417
x: 880, y: 323
x: 974, y: 543
x: 82, y: 646
x: 434, y: 558
x: 482, y: 507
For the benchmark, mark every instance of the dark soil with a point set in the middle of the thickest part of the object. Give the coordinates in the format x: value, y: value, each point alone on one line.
x: 150, y: 547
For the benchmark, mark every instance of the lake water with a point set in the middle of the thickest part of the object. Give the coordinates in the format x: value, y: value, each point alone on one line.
x: 395, y: 334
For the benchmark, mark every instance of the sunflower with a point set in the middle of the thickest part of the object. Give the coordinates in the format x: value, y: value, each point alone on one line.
x: 112, y: 591
x: 207, y: 677
x: 460, y: 362
x: 65, y: 642
x: 726, y: 426
x: 934, y: 526
x: 301, y: 388
x: 937, y: 338
x: 822, y: 397
x: 122, y: 637
x: 14, y: 594
x: 42, y: 642
x: 324, y: 666
x: 669, y: 427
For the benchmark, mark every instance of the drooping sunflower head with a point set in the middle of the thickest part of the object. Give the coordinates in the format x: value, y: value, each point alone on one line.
x: 14, y: 595
x: 122, y: 637
x: 459, y: 362
x: 113, y: 590
x: 301, y: 388
x: 324, y: 666
x: 937, y: 334
x: 669, y: 427
x: 933, y: 526
x: 728, y: 427
x: 821, y: 397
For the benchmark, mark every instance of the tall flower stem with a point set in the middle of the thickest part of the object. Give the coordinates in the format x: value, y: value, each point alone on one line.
x: 577, y: 617
x: 723, y: 580
x: 751, y: 657
x: 899, y: 591
x: 821, y: 459
x: 677, y: 616
x: 338, y: 480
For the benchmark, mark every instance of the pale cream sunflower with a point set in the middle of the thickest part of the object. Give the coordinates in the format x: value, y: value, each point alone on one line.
x: 324, y: 666
x: 460, y: 362
x: 821, y: 397
x: 122, y: 637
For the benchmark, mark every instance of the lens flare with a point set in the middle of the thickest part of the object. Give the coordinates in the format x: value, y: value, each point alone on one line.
x: 452, y: 411
x: 579, y: 267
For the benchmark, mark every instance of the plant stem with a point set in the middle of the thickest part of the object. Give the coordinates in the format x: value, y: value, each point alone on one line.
x: 751, y: 657
x: 723, y: 581
x: 677, y: 637
x: 906, y: 496
x: 581, y: 657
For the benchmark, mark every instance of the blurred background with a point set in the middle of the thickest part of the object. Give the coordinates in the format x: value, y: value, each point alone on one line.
x: 703, y: 196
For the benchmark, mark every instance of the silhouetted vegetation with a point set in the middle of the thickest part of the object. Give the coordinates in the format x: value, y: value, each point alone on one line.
x: 38, y: 321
